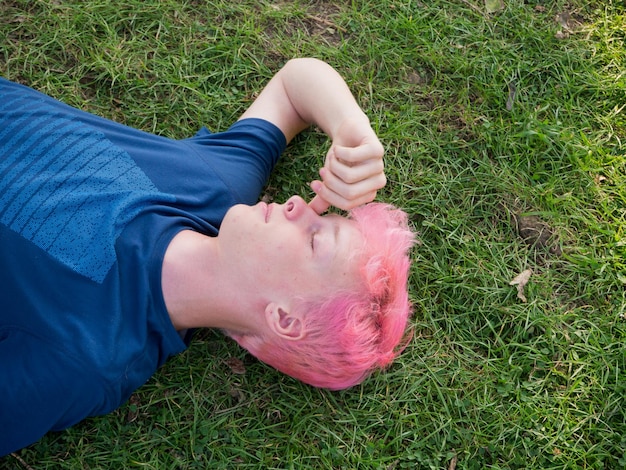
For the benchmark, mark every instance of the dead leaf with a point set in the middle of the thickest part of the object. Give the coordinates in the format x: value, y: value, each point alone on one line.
x: 133, y: 408
x: 599, y: 179
x: 453, y: 462
x: 520, y: 281
x: 236, y: 365
x: 237, y: 394
x: 561, y: 35
x: 491, y: 6
x: 511, y: 98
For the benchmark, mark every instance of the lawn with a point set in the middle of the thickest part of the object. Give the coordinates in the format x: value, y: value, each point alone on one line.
x: 504, y: 124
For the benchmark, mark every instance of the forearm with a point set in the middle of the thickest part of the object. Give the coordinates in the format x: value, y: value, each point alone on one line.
x: 353, y: 169
x: 308, y: 91
x: 319, y: 95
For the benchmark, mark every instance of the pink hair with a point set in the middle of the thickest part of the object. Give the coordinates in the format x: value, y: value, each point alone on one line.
x: 349, y: 334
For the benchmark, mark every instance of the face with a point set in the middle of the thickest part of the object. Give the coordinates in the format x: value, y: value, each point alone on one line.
x: 288, y: 250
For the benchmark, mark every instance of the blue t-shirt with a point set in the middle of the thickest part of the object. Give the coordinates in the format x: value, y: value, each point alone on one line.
x: 87, y: 210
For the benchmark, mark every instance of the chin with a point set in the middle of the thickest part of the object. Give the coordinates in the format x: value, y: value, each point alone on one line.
x: 238, y: 215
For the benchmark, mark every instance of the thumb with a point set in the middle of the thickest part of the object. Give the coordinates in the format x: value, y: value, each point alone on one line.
x: 342, y: 154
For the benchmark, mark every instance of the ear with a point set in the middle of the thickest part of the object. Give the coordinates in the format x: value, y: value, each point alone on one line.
x: 282, y: 323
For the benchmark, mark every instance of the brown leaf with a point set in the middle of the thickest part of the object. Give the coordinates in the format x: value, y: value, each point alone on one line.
x: 520, y: 281
x: 236, y: 365
x: 511, y: 98
x: 453, y: 462
x: 561, y: 35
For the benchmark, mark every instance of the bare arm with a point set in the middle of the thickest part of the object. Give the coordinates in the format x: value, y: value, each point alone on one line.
x: 309, y: 91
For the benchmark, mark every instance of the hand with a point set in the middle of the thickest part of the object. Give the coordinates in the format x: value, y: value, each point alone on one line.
x: 353, y: 170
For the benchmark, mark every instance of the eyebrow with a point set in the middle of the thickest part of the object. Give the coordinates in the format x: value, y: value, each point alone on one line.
x: 337, y: 239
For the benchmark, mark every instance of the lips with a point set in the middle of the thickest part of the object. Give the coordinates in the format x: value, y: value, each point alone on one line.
x: 268, y: 212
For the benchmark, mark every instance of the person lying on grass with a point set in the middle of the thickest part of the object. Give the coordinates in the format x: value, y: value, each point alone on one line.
x: 115, y: 243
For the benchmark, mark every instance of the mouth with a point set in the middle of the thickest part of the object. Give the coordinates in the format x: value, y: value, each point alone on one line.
x: 268, y: 212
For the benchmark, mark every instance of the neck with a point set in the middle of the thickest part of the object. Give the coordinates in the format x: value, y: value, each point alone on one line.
x: 197, y: 288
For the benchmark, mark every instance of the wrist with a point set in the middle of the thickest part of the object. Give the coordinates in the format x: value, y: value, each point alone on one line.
x: 351, y: 124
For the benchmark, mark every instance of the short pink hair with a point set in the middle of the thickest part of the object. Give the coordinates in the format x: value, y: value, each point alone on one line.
x: 349, y: 334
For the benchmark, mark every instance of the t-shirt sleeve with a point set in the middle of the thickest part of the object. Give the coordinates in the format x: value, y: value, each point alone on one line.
x: 42, y: 389
x: 243, y: 156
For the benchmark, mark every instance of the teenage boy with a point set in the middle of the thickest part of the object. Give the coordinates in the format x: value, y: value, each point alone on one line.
x: 114, y: 243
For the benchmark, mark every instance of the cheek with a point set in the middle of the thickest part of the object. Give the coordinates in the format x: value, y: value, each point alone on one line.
x: 289, y: 263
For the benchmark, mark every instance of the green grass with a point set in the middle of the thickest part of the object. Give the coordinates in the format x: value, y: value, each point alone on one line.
x: 488, y: 382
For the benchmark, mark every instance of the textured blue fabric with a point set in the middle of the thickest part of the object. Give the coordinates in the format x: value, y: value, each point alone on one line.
x: 87, y: 210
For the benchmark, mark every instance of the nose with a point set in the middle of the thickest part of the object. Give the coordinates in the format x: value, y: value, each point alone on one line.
x: 296, y: 207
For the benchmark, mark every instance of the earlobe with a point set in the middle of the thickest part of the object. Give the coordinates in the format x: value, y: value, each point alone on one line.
x: 282, y: 323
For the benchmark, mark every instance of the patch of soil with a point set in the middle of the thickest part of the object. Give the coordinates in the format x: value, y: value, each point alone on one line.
x: 536, y: 233
x: 319, y: 21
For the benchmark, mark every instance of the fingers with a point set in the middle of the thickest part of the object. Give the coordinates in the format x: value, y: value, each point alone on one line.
x: 325, y: 197
x: 349, y: 189
x: 370, y: 149
x: 353, y: 171
x: 347, y: 165
x: 350, y: 166
x: 350, y: 177
x: 318, y: 204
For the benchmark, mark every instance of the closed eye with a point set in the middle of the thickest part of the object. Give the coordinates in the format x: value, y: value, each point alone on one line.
x: 313, y: 240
